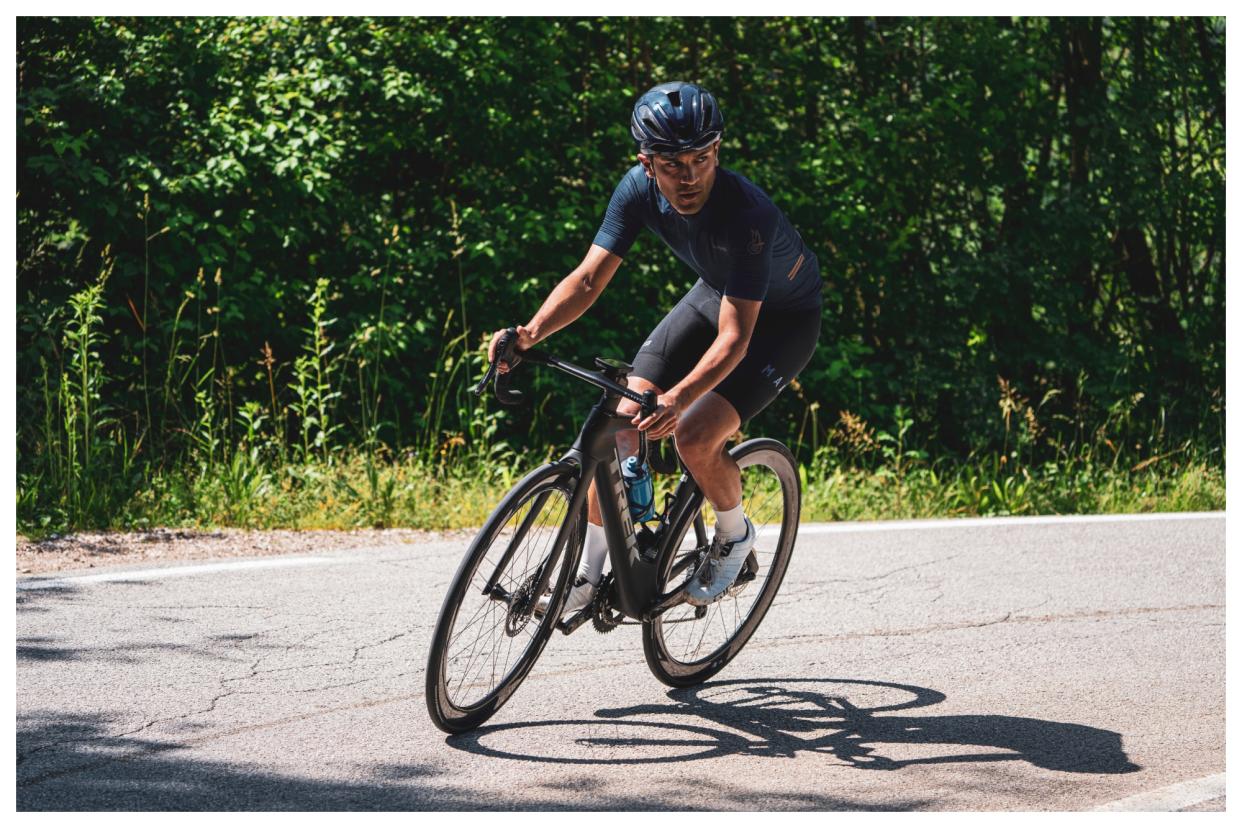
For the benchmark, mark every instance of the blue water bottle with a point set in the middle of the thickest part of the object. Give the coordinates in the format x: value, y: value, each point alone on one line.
x: 639, y: 489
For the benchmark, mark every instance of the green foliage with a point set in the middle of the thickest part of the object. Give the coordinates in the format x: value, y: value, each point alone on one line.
x: 82, y: 463
x: 1035, y: 199
x: 313, y: 372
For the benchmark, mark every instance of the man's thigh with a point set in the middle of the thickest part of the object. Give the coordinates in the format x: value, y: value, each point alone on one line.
x: 675, y: 346
x: 780, y: 347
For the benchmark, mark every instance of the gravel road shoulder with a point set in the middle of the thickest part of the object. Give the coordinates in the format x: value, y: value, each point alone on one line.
x: 89, y: 550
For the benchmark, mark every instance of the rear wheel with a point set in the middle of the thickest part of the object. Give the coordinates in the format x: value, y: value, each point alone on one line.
x: 488, y: 636
x: 687, y: 645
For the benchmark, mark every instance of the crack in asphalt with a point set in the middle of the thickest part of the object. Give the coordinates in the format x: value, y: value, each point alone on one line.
x: 812, y: 587
x: 211, y: 705
x: 155, y: 747
x: 1007, y: 618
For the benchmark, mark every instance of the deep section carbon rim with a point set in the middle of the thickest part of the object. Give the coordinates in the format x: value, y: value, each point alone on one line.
x: 493, y: 627
x: 688, y: 640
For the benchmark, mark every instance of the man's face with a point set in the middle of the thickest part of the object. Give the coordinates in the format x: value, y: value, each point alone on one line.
x: 685, y: 179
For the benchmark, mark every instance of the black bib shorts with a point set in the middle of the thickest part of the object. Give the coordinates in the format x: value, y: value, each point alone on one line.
x: 782, y: 344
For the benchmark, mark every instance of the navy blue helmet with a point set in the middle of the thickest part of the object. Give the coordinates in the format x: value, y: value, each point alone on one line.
x: 676, y: 117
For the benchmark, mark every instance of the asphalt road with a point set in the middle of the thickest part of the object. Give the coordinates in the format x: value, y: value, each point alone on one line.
x: 956, y: 665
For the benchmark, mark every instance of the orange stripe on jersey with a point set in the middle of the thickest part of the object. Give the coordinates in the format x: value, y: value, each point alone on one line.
x: 797, y: 266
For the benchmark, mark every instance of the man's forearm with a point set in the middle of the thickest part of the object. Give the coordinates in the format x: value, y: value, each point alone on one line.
x: 721, y: 357
x: 568, y: 300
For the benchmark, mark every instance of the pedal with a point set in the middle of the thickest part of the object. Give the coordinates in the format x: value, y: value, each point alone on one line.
x: 575, y: 621
x: 749, y: 569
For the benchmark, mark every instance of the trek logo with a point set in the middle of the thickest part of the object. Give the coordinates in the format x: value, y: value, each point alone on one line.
x: 756, y: 243
x: 768, y: 372
x: 623, y: 505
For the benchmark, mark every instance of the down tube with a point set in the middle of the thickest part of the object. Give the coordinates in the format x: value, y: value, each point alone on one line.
x: 635, y: 576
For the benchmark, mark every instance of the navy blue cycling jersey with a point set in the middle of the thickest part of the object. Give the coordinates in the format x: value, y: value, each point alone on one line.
x: 740, y: 244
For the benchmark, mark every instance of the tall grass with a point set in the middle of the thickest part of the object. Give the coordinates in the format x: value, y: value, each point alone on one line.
x: 83, y: 466
x: 867, y: 473
x: 199, y: 457
x: 293, y: 458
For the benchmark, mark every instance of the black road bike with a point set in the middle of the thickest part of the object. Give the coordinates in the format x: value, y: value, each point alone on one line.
x: 490, y: 633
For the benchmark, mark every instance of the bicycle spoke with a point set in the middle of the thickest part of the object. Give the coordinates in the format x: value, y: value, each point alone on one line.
x: 690, y: 640
x: 699, y: 645
x: 483, y: 647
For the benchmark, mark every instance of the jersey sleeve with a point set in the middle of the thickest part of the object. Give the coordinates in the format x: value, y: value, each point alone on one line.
x: 623, y: 218
x: 750, y: 243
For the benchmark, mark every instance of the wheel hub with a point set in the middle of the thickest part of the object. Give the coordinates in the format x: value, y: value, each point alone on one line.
x: 521, y: 607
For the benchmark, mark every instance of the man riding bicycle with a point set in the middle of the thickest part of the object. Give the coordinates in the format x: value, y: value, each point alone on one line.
x: 744, y: 330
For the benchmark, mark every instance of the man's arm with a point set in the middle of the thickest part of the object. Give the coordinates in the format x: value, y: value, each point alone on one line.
x: 575, y: 293
x: 733, y: 331
x: 568, y: 300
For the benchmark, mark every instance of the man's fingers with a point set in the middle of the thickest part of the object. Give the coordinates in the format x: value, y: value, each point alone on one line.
x: 660, y: 423
x: 644, y: 422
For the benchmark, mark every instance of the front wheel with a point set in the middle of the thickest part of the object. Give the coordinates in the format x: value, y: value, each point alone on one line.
x: 488, y: 635
x: 687, y: 645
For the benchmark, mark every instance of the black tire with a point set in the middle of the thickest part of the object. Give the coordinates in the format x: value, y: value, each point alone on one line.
x: 471, y: 670
x: 684, y: 648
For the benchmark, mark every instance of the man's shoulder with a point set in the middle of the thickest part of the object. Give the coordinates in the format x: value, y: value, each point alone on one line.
x: 634, y: 184
x: 746, y: 193
x: 635, y: 175
x: 750, y: 205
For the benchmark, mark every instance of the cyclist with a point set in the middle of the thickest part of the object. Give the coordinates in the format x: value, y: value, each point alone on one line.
x: 744, y: 330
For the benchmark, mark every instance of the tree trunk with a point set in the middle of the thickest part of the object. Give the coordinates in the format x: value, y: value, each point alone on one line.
x: 1207, y: 47
x: 1082, y: 92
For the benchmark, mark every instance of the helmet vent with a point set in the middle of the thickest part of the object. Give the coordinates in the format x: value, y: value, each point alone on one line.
x: 674, y: 98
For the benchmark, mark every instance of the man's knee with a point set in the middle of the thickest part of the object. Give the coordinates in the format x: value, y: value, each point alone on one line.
x: 696, y: 438
x: 705, y: 428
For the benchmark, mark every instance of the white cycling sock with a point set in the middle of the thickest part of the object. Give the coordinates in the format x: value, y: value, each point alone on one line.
x: 594, y: 555
x: 731, y: 522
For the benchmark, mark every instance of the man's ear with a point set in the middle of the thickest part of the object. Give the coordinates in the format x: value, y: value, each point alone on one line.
x: 716, y: 147
x: 646, y: 162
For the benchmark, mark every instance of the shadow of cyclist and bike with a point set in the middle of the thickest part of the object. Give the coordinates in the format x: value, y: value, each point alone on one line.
x: 863, y: 724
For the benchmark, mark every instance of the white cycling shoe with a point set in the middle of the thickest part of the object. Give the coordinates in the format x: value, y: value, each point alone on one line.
x: 580, y: 596
x: 720, y: 568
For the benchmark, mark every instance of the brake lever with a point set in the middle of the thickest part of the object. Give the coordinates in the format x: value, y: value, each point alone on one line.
x: 648, y: 407
x: 504, y: 394
x: 506, y: 352
x: 487, y: 377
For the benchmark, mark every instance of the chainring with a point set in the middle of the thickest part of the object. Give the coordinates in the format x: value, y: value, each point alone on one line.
x: 603, y: 617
